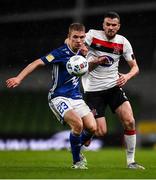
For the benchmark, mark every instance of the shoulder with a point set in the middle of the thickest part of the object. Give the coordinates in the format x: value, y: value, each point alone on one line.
x: 61, y: 48
x: 121, y: 39
x: 94, y: 34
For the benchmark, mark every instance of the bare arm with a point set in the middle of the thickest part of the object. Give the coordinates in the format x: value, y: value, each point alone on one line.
x: 134, y: 70
x: 95, y: 61
x: 15, y: 81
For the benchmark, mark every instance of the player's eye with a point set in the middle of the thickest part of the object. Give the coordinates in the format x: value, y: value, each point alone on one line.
x: 107, y: 24
x: 75, y: 37
x: 82, y: 37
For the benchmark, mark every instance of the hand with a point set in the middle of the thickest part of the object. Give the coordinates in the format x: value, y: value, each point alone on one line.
x: 84, y: 50
x: 13, y: 82
x: 102, y: 60
x: 123, y: 78
x: 95, y: 61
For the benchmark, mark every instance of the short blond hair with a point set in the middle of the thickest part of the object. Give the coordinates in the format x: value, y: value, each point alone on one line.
x: 76, y: 27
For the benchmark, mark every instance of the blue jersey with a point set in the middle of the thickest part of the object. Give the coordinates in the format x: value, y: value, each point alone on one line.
x: 63, y: 84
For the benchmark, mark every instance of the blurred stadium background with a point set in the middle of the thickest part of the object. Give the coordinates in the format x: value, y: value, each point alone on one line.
x: 30, y: 29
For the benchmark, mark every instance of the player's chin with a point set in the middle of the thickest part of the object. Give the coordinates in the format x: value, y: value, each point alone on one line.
x: 111, y: 34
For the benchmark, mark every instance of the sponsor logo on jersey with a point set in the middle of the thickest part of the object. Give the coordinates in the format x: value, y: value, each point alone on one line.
x: 117, y: 49
x: 108, y: 61
x: 50, y: 57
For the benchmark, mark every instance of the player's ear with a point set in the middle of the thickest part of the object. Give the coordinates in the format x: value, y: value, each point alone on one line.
x: 103, y: 26
x: 119, y: 25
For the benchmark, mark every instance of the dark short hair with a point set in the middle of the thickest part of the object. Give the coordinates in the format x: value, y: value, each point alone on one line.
x: 112, y: 15
x: 76, y: 27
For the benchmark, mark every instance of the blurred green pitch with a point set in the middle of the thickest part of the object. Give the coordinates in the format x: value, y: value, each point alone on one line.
x: 102, y: 164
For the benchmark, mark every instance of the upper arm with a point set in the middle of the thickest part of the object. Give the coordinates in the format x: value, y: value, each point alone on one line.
x: 39, y: 62
x: 132, y: 63
x: 134, y: 66
x: 128, y: 53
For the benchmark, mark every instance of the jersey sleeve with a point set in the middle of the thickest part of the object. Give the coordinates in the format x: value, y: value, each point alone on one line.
x: 51, y: 57
x: 128, y: 51
x: 89, y: 37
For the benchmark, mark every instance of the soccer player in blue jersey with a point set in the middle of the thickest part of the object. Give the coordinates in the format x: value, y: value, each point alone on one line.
x: 65, y: 99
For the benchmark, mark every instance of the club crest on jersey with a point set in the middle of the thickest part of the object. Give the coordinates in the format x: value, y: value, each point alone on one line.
x: 98, y: 45
x: 50, y: 57
x: 108, y: 61
x: 117, y: 50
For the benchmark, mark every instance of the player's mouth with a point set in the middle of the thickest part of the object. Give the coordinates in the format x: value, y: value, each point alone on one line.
x: 111, y: 32
x: 78, y: 45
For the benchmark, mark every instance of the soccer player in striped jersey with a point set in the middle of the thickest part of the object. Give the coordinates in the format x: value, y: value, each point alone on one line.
x: 65, y: 99
x: 103, y: 84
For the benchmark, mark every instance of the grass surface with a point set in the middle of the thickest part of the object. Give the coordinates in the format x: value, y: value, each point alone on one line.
x: 103, y: 164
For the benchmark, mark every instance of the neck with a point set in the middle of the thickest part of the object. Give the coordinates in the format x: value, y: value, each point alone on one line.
x: 109, y: 37
x: 73, y: 49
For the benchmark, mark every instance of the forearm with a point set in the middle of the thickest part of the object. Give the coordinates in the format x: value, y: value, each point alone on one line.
x: 134, y: 69
x: 95, y: 61
x: 28, y: 69
x: 123, y: 78
x: 92, y: 65
x: 133, y: 72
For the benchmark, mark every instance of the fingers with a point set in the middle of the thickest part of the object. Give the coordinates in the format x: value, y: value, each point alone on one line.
x: 121, y: 81
x: 11, y: 83
x: 102, y: 59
